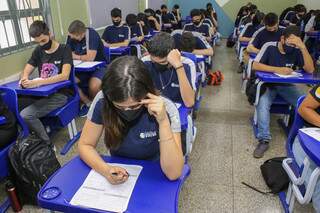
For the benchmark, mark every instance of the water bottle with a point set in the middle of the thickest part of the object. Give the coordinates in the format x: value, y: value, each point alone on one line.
x: 317, y: 69
x: 13, y: 197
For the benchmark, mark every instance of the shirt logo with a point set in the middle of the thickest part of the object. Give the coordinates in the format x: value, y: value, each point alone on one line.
x: 57, y: 62
x: 174, y: 85
x: 48, y: 70
x: 149, y: 134
x: 290, y: 65
x: 121, y: 35
x: 84, y: 47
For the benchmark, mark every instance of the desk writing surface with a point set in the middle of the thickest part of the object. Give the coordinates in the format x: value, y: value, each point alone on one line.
x: 305, y: 78
x: 87, y: 66
x: 3, y: 120
x: 310, y: 146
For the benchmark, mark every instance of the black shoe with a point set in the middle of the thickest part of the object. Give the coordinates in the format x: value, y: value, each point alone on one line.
x: 261, y: 148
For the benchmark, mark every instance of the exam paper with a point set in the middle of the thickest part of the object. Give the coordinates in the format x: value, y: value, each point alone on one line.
x: 312, y: 132
x: 292, y: 75
x: 76, y: 62
x: 97, y: 193
x: 87, y: 64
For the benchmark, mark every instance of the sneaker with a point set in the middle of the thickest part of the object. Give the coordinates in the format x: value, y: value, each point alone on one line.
x: 261, y: 148
x: 83, y: 110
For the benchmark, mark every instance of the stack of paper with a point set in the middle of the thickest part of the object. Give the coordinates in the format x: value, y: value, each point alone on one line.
x: 292, y: 75
x: 97, y: 193
x: 85, y: 64
x: 312, y: 132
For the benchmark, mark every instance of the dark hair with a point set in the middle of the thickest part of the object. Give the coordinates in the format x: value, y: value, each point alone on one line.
x: 116, y: 12
x: 77, y: 27
x: 291, y: 30
x: 131, y: 19
x: 253, y: 8
x: 38, y: 28
x: 300, y: 8
x: 176, y: 6
x: 126, y: 77
x: 271, y: 19
x: 164, y: 6
x: 187, y: 43
x: 160, y: 45
x: 158, y: 12
x: 195, y: 12
x: 242, y: 9
x: 209, y: 5
x: 149, y: 12
x: 257, y: 19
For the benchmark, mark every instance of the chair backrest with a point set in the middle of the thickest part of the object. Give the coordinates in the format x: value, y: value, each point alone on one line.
x: 9, y: 96
x: 296, y: 125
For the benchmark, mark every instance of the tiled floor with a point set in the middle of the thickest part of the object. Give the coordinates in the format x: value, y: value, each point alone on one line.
x: 222, y: 154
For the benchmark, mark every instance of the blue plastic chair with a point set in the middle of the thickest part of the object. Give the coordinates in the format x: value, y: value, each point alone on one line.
x: 9, y: 96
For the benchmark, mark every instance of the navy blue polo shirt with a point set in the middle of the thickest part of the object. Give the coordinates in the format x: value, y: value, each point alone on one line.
x: 201, y: 43
x: 167, y: 18
x: 203, y: 28
x: 92, y: 39
x: 141, y: 139
x: 167, y: 81
x: 208, y: 21
x: 116, y: 34
x: 251, y: 29
x: 271, y: 55
x: 265, y: 36
x: 136, y: 30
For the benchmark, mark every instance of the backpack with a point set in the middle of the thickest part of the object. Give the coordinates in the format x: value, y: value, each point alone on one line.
x: 230, y: 41
x: 32, y: 162
x: 215, y: 78
x: 251, y: 89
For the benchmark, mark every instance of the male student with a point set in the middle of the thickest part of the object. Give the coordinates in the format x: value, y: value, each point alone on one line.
x: 86, y: 45
x: 177, y: 15
x: 135, y: 27
x: 197, y: 25
x: 168, y: 19
x: 153, y: 19
x: 54, y: 62
x: 293, y: 17
x: 118, y: 34
x: 280, y: 57
x: 172, y: 74
x: 252, y: 27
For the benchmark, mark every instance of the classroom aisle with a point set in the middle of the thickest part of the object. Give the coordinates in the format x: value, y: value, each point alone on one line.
x: 222, y: 155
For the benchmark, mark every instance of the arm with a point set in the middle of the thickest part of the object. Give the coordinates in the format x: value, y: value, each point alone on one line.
x: 208, y: 52
x: 156, y: 23
x: 125, y: 43
x: 141, y: 37
x: 245, y: 39
x: 252, y: 49
x: 266, y: 68
x: 28, y: 69
x: 308, y: 110
x: 90, y: 56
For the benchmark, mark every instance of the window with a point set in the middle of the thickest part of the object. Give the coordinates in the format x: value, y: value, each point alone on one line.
x: 16, y: 16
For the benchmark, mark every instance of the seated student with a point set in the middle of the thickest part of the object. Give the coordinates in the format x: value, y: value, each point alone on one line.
x: 293, y: 17
x: 118, y: 34
x: 8, y: 130
x: 312, y: 42
x: 279, y: 57
x: 206, y: 20
x: 54, y: 63
x: 86, y: 45
x: 154, y: 20
x: 251, y: 28
x: 135, y: 27
x: 271, y: 32
x: 194, y: 44
x: 242, y: 13
x: 143, y: 21
x: 167, y: 19
x: 212, y: 15
x: 172, y: 74
x: 136, y: 121
x: 284, y: 13
x: 177, y: 15
x: 310, y: 112
x: 197, y: 25
x: 248, y: 18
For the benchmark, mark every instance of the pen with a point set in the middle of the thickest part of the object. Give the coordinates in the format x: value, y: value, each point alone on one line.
x: 116, y: 174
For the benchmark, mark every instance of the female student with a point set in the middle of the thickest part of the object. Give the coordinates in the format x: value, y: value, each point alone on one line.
x: 136, y: 121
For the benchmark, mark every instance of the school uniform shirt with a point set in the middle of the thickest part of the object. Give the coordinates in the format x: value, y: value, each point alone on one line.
x: 167, y: 18
x: 263, y: 36
x: 141, y: 139
x: 136, y: 30
x: 50, y: 65
x: 250, y: 30
x: 116, y: 34
x: 203, y: 28
x: 208, y: 21
x: 167, y: 81
x: 91, y: 41
x: 153, y: 25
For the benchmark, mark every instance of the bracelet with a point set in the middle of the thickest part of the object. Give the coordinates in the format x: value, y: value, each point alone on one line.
x: 176, y: 68
x: 166, y: 140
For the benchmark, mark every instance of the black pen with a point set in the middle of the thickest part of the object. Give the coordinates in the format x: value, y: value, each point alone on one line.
x: 116, y: 174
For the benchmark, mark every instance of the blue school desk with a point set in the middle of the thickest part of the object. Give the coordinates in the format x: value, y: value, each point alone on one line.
x: 306, y: 78
x: 153, y: 192
x: 3, y: 120
x: 91, y: 68
x: 253, y: 55
x: 244, y: 43
x: 183, y: 113
x: 119, y: 50
x: 45, y: 90
x: 311, y: 146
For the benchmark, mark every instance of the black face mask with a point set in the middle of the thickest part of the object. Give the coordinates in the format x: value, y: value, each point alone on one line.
x: 160, y: 67
x: 130, y: 115
x: 116, y: 23
x: 47, y: 46
x: 196, y: 22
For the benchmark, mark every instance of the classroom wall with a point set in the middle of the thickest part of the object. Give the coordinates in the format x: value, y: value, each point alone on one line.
x: 69, y: 10
x: 227, y: 9
x: 310, y: 4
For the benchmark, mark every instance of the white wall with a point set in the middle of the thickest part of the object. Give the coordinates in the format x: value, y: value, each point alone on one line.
x: 156, y: 4
x: 310, y: 4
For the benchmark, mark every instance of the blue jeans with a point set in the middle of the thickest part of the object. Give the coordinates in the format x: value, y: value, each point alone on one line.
x: 289, y: 93
x: 299, y: 156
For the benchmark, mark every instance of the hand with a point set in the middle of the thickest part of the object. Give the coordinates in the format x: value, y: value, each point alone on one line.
x: 22, y: 80
x: 295, y: 40
x: 284, y: 70
x: 151, y: 18
x: 116, y: 175
x: 75, y: 56
x: 174, y: 58
x: 31, y: 83
x: 105, y: 44
x: 156, y: 107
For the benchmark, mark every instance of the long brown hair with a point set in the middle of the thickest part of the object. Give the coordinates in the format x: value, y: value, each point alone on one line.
x: 126, y: 77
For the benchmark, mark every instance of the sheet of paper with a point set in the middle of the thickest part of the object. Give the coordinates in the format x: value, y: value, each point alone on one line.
x: 292, y: 75
x: 312, y: 132
x: 88, y: 64
x: 76, y: 62
x: 97, y: 193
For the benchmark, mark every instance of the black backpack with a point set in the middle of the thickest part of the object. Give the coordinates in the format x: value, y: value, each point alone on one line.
x: 251, y: 89
x: 32, y: 162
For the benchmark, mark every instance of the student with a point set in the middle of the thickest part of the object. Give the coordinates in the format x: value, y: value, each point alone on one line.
x: 312, y: 42
x: 271, y: 32
x: 172, y: 74
x: 54, y: 63
x: 197, y: 25
x: 284, y: 13
x: 310, y: 112
x: 118, y: 34
x: 167, y: 19
x: 251, y: 28
x: 86, y: 45
x: 279, y: 57
x: 212, y: 13
x: 135, y: 27
x: 136, y: 121
x: 177, y: 15
x: 8, y: 130
x: 242, y: 13
x: 206, y: 20
x: 143, y: 21
x: 293, y: 17
x: 154, y: 20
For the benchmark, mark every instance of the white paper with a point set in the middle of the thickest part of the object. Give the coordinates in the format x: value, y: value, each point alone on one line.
x: 292, y: 75
x: 87, y: 64
x: 97, y: 193
x: 312, y: 132
x: 76, y: 62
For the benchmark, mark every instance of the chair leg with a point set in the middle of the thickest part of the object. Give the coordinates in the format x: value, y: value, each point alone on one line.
x: 70, y: 130
x: 5, y: 205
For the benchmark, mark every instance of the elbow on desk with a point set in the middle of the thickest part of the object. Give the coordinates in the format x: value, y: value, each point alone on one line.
x: 189, y: 103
